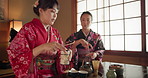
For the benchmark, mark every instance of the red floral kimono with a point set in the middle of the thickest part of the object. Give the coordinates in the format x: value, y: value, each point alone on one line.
x: 20, y: 53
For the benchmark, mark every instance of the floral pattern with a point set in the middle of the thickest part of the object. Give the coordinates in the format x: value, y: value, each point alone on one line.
x: 93, y: 38
x: 20, y: 49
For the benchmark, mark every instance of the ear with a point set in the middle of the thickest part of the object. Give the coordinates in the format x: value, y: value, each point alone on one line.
x: 40, y: 10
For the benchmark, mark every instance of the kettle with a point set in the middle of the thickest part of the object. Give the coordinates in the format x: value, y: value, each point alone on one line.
x: 86, y: 65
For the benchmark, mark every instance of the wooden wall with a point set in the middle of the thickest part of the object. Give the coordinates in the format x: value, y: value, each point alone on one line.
x: 4, y: 38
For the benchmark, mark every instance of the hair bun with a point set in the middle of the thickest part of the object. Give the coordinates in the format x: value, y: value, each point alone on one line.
x: 36, y: 3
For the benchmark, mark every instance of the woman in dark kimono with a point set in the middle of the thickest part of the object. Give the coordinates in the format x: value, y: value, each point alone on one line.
x: 35, y: 50
x: 85, y: 42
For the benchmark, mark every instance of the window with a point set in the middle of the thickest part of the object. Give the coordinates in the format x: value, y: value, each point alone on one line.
x: 117, y: 21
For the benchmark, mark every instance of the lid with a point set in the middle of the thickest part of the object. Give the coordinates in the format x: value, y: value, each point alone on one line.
x: 83, y: 72
x: 73, y: 70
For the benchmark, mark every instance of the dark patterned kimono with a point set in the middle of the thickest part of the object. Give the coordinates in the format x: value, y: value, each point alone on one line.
x: 94, y: 39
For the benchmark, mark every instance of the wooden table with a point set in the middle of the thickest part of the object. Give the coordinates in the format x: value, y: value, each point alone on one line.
x: 90, y: 76
x: 6, y: 73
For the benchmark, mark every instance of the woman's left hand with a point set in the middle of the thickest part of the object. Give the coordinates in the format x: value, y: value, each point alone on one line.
x: 92, y: 55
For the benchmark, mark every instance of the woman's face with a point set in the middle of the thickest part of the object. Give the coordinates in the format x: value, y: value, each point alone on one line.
x: 86, y: 20
x: 48, y: 16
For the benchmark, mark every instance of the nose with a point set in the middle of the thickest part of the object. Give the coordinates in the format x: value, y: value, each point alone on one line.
x: 85, y: 22
x: 55, y: 15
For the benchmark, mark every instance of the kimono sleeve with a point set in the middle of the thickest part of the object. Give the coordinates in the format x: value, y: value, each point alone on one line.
x: 60, y: 68
x: 99, y: 49
x: 20, y: 53
x: 71, y: 38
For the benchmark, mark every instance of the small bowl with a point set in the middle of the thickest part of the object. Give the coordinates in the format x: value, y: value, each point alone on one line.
x: 83, y: 74
x: 73, y: 74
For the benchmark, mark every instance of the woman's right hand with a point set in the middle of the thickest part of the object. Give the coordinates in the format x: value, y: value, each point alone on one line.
x: 84, y: 43
x: 48, y: 48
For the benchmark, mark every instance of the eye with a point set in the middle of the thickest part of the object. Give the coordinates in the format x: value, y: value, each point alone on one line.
x: 56, y: 11
x: 53, y: 11
x: 83, y: 19
x: 88, y: 19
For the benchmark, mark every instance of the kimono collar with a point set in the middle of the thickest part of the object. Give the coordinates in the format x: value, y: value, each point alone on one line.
x: 47, y: 27
x: 84, y: 33
x: 41, y: 25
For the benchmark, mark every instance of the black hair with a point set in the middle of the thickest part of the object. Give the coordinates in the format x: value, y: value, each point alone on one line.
x: 13, y: 33
x: 87, y: 12
x: 45, y: 4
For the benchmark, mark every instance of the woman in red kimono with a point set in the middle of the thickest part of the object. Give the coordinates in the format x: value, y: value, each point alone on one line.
x: 35, y: 50
x: 86, y: 43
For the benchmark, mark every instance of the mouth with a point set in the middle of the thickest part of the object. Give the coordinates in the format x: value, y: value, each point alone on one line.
x: 85, y: 25
x: 52, y: 20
